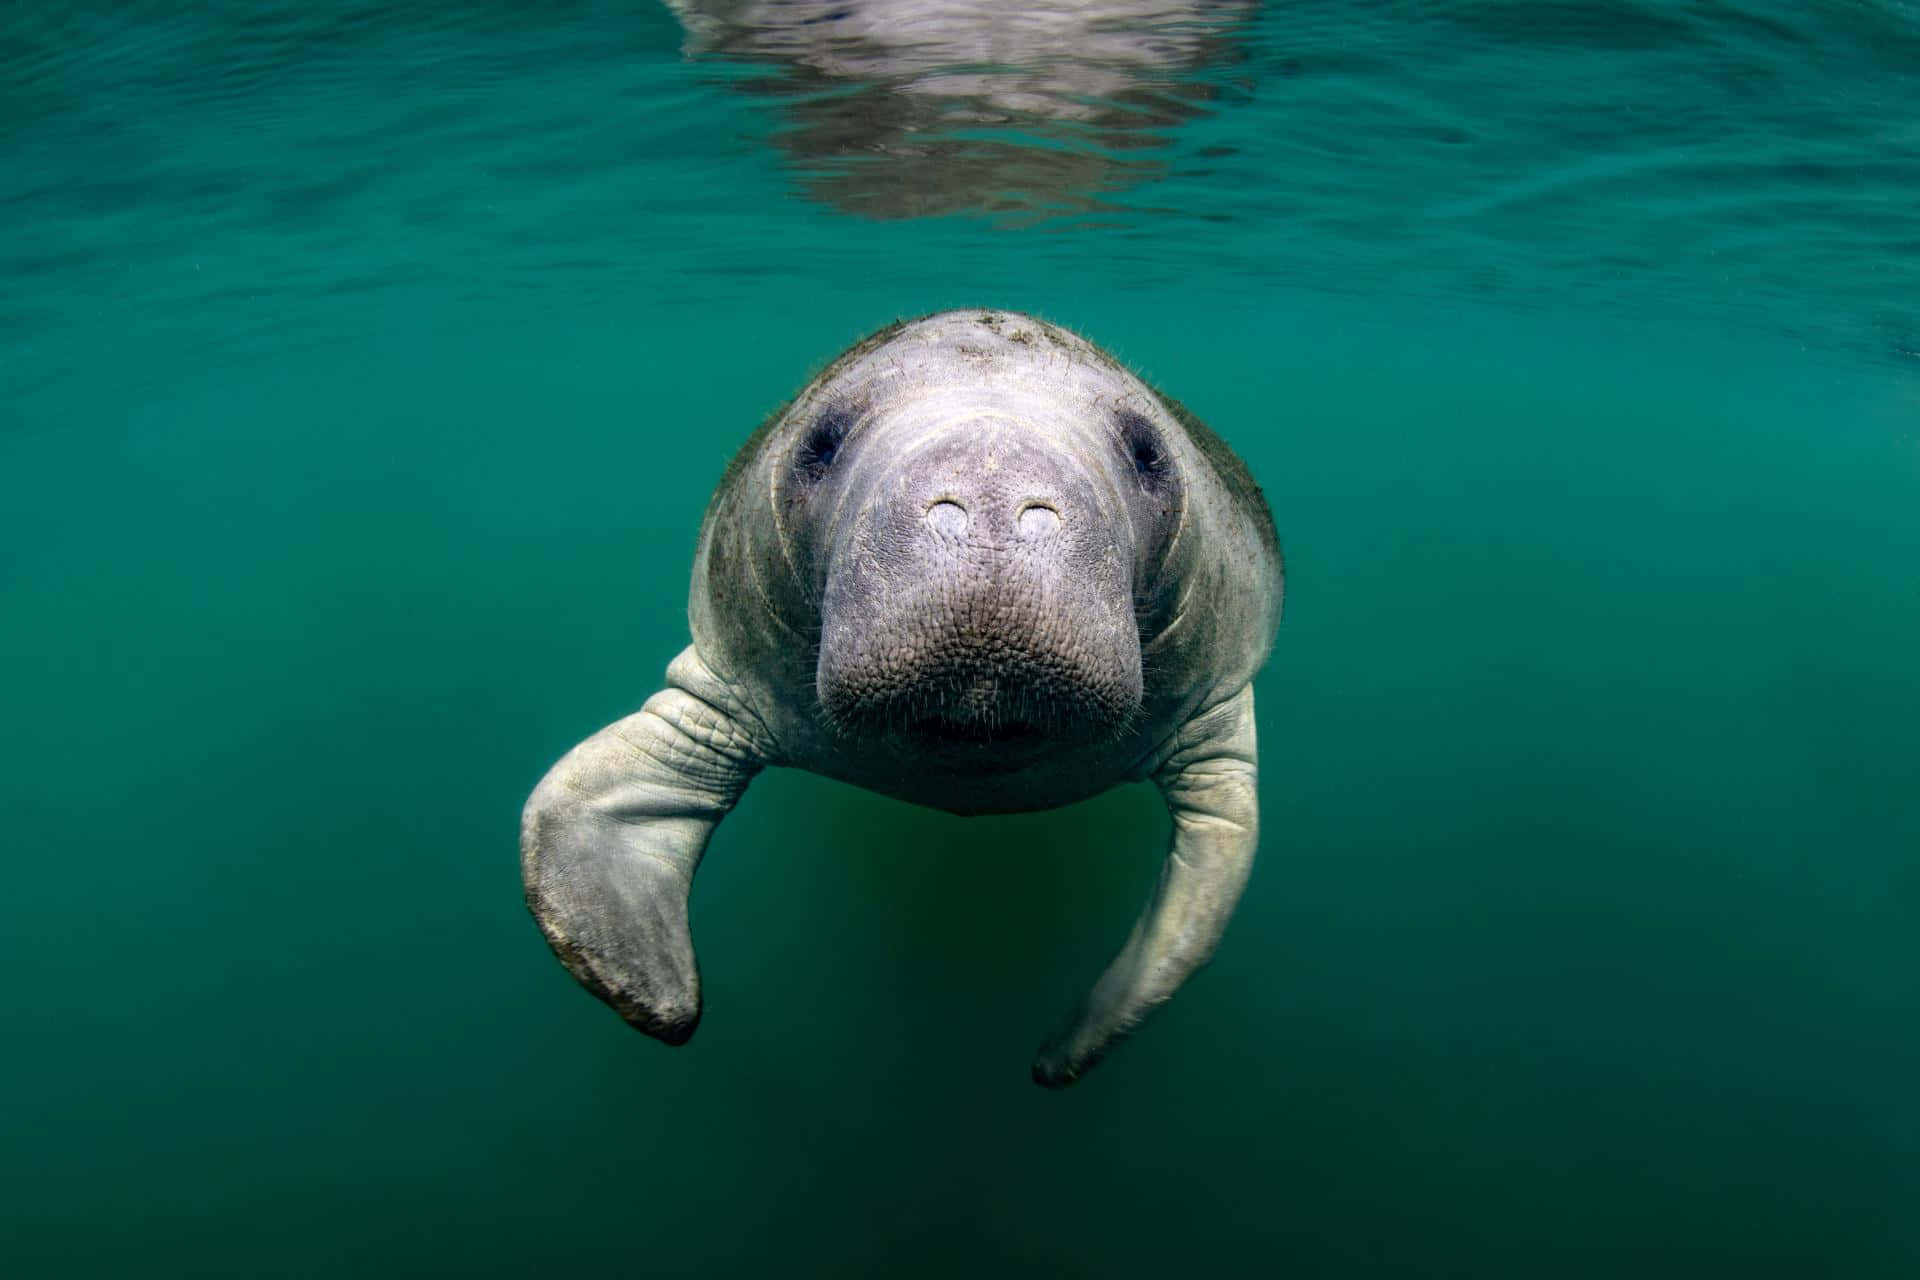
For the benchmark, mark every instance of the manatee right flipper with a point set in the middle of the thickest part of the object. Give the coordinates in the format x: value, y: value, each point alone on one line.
x: 611, y: 838
x: 1210, y: 780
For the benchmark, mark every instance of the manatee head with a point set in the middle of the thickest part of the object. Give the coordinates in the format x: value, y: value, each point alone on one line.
x: 981, y: 507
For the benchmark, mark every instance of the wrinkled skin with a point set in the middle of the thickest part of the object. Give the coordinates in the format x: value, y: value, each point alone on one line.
x: 975, y: 564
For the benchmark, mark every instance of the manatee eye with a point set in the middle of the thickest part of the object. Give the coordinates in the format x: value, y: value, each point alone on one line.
x: 821, y: 444
x: 1144, y: 446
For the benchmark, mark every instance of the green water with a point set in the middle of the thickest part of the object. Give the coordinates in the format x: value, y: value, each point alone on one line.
x: 363, y: 378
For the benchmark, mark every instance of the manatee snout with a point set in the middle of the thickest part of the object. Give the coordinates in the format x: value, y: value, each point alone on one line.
x: 980, y: 595
x: 984, y: 487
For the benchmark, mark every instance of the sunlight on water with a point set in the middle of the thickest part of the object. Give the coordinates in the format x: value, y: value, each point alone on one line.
x: 909, y: 108
x: 1735, y: 165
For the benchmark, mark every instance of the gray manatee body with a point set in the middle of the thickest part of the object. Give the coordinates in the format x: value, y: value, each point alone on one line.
x: 976, y: 564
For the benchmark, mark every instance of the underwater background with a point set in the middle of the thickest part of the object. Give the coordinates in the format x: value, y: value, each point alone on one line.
x: 365, y: 370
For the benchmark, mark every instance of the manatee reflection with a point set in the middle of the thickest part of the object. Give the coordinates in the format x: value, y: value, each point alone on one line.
x: 907, y: 108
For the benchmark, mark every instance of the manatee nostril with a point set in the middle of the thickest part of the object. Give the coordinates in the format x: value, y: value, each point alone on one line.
x: 1037, y: 518
x: 948, y: 517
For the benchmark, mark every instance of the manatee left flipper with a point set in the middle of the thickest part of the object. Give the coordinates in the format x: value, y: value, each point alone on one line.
x: 1210, y: 781
x: 611, y: 838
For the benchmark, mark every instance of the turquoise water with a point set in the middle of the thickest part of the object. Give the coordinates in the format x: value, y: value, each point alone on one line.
x: 364, y: 375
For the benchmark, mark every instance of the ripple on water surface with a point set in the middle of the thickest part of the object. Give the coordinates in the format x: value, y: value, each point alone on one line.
x: 251, y: 172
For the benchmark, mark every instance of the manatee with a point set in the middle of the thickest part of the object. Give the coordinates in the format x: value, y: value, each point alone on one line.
x: 975, y: 564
